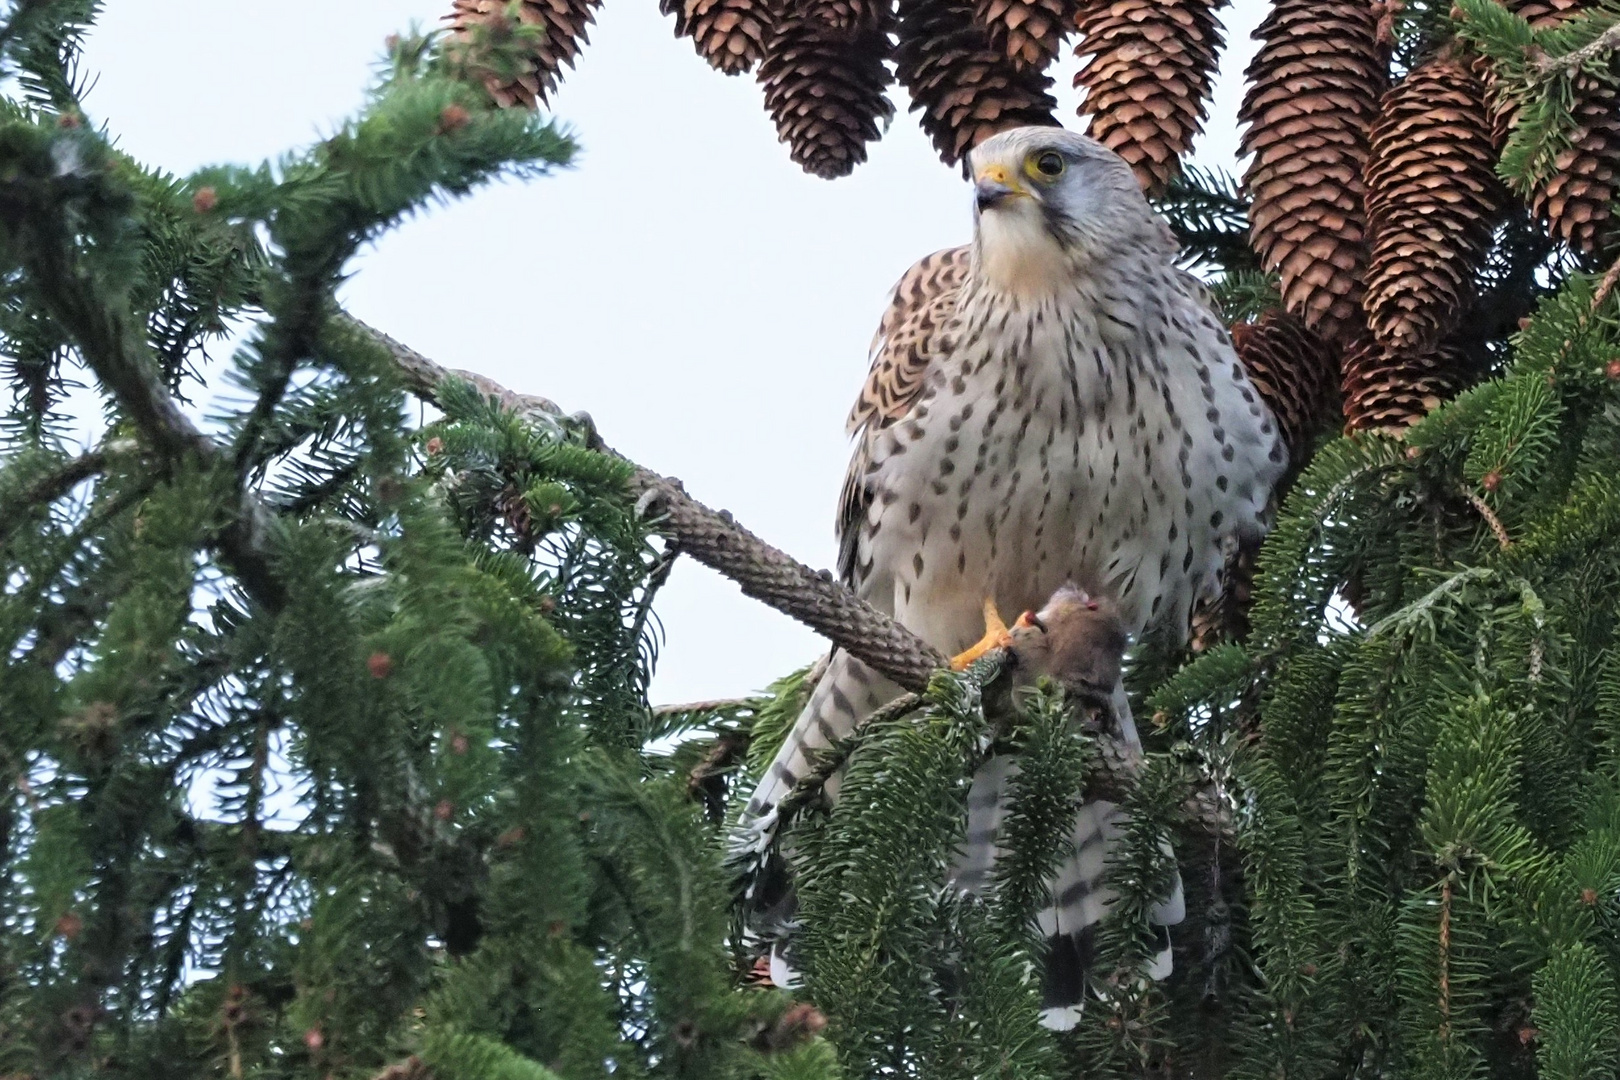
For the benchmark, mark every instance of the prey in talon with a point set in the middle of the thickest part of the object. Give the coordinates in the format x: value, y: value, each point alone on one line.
x: 1077, y: 639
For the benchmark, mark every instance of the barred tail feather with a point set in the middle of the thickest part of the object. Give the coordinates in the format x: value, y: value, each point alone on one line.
x: 1079, y: 897
x: 846, y: 694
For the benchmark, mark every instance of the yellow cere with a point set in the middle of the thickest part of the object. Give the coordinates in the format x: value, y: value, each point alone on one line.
x: 998, y: 174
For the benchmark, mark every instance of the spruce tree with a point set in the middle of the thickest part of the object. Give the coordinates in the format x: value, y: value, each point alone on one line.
x: 325, y: 736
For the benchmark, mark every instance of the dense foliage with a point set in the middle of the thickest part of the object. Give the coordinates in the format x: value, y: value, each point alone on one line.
x: 325, y: 737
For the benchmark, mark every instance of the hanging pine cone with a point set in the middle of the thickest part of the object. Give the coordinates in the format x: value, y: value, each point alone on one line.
x: 1294, y: 371
x: 1391, y: 389
x: 1030, y: 32
x: 561, y: 25
x: 847, y: 14
x: 964, y: 89
x: 824, y: 90
x: 1574, y: 201
x: 1148, y: 79
x: 1432, y: 201
x: 729, y: 34
x: 1313, y: 91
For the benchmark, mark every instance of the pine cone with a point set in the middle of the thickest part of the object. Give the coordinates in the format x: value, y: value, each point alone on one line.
x: 1294, y: 371
x: 1574, y: 201
x: 1148, y: 79
x: 1391, y: 389
x: 562, y: 32
x: 730, y: 34
x: 824, y: 90
x: 965, y: 89
x: 1314, y: 87
x: 1028, y: 31
x: 847, y: 14
x: 1432, y: 201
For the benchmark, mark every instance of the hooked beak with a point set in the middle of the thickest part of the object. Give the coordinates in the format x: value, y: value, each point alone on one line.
x: 994, y: 186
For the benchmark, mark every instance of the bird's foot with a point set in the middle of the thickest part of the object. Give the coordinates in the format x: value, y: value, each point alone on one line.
x: 996, y: 636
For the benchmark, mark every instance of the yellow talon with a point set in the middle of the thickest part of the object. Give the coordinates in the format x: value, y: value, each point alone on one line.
x: 995, y: 637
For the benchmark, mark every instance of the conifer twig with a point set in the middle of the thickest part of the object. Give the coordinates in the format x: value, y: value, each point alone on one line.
x: 813, y: 597
x: 113, y: 348
x: 1491, y: 519
x: 715, y: 539
x: 63, y: 479
x: 710, y: 706
x: 1569, y: 64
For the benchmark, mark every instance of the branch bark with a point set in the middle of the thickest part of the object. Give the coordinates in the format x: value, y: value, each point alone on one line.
x: 714, y: 538
x: 1569, y: 64
x: 813, y: 597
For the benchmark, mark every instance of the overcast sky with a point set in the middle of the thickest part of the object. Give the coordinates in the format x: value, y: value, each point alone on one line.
x: 708, y: 303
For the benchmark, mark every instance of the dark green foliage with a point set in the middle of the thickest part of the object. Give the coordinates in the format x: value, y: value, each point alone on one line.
x: 1428, y: 791
x: 325, y: 740
x: 325, y: 743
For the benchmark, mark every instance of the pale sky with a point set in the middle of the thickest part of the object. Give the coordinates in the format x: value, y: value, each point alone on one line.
x: 685, y: 283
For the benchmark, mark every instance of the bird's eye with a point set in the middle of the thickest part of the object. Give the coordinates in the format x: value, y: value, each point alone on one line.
x: 1032, y: 619
x: 1050, y: 164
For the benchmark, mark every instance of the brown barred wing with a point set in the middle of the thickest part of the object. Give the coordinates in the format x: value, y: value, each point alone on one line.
x: 914, y: 331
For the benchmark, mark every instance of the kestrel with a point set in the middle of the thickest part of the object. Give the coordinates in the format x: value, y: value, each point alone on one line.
x: 1054, y: 402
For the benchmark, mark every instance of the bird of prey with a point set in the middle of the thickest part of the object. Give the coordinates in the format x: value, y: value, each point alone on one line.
x: 1054, y: 402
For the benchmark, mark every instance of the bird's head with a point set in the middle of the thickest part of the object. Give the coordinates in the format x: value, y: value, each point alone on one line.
x: 1047, y: 201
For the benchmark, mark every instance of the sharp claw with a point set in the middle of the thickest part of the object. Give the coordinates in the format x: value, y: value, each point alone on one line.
x: 992, y: 617
x: 996, y: 636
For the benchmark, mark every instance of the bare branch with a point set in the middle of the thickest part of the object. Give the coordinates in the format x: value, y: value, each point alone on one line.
x: 713, y: 538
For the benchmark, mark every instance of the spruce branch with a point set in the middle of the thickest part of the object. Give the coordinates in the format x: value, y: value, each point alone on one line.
x: 815, y: 598
x: 715, y: 539
x: 46, y: 489
x: 112, y: 347
x: 1570, y: 64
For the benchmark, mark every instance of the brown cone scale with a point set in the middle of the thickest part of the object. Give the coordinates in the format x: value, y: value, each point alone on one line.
x: 1432, y: 201
x: 730, y: 34
x: 964, y: 89
x: 1029, y: 32
x: 1389, y: 389
x: 1314, y: 87
x: 824, y: 89
x: 562, y: 26
x: 1575, y: 201
x: 1294, y: 371
x: 846, y: 14
x: 1147, y: 82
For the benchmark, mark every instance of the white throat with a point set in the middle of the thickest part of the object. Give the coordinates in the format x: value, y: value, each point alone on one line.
x: 1018, y: 256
